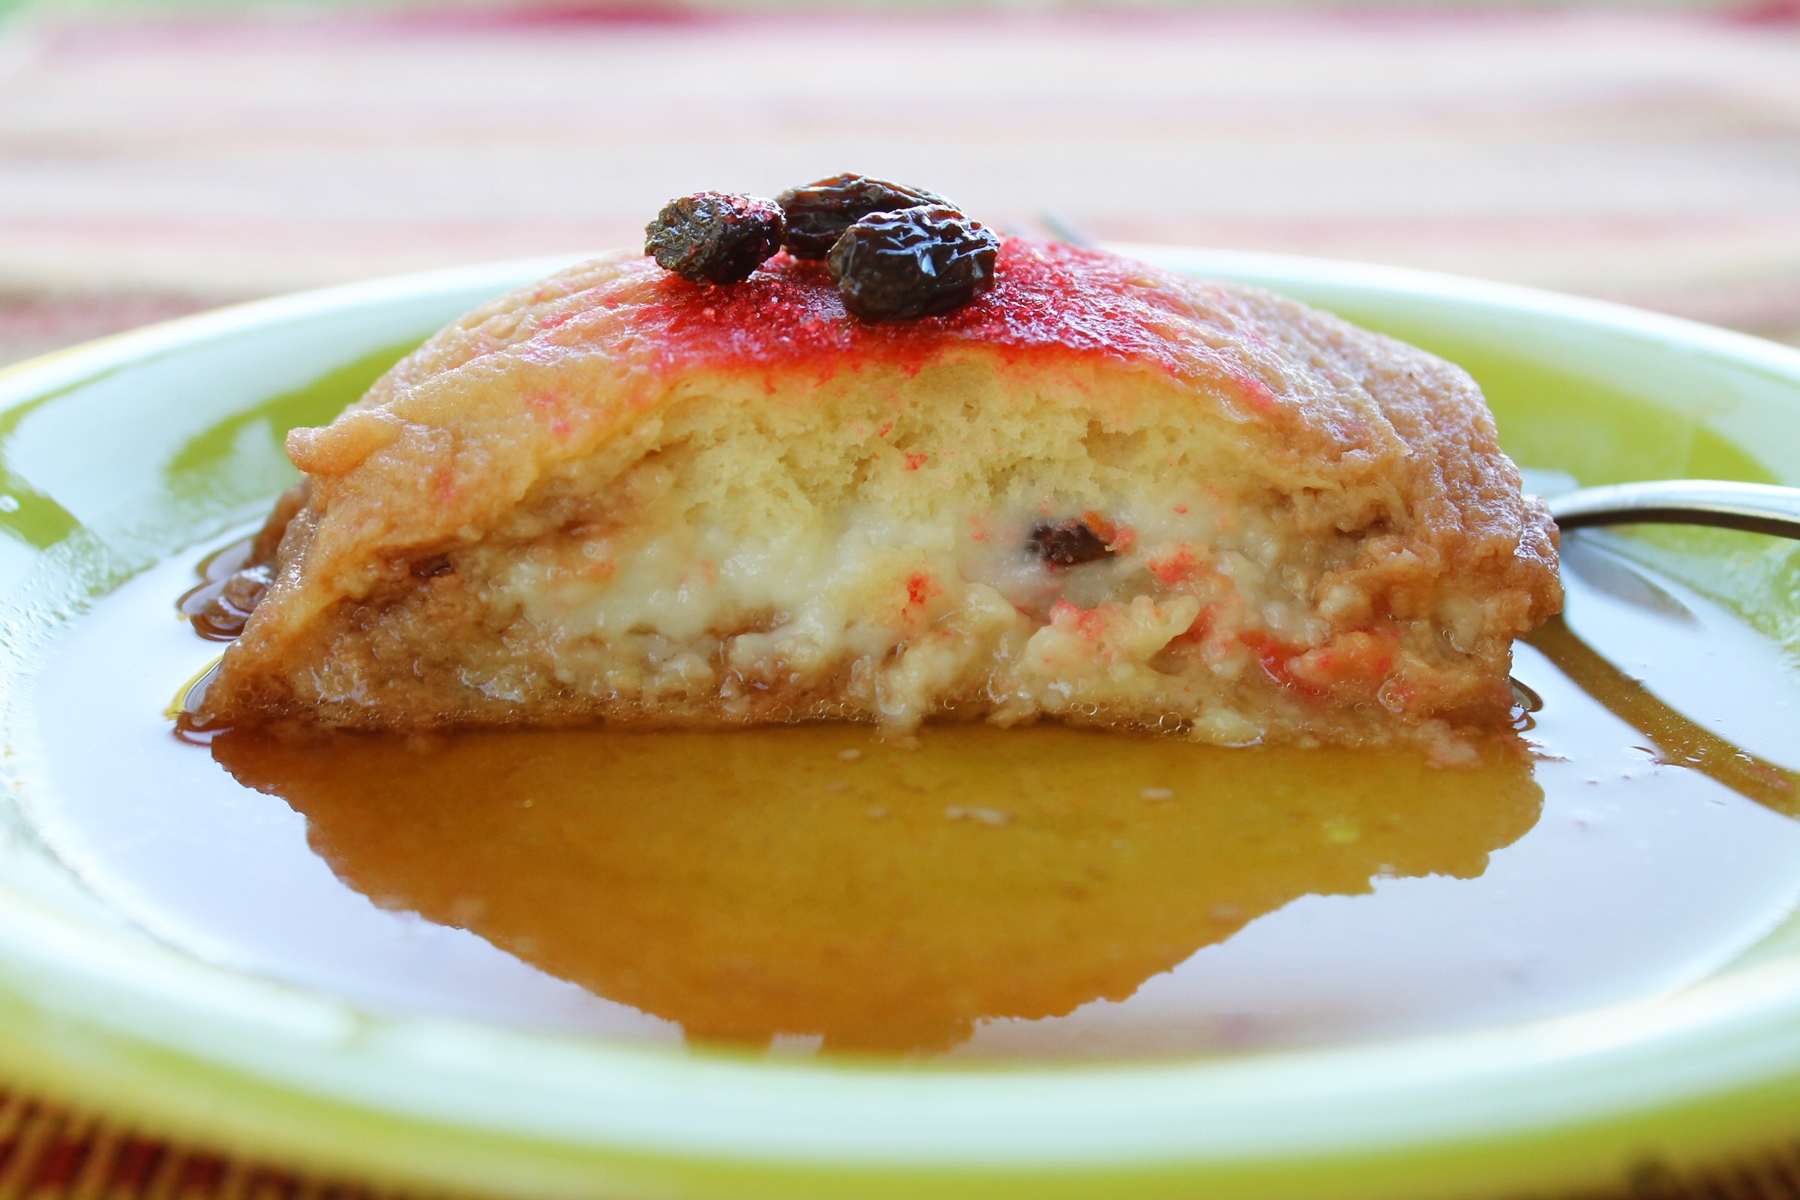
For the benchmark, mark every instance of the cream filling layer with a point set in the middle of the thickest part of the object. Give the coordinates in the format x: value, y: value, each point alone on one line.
x: 918, y: 607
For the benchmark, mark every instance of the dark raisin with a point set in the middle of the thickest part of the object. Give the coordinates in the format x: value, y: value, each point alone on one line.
x: 714, y: 237
x: 818, y: 213
x: 1067, y: 543
x: 431, y: 568
x: 899, y: 265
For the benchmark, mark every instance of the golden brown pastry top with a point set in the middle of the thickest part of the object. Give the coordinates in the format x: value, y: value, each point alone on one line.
x: 451, y: 439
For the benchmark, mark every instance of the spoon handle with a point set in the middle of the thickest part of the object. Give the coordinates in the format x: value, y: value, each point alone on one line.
x: 1757, y: 507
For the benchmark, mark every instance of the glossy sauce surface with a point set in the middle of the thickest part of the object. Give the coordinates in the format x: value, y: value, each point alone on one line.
x: 1038, y: 892
x: 810, y: 880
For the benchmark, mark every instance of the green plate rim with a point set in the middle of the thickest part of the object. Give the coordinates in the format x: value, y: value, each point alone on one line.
x: 98, y: 1014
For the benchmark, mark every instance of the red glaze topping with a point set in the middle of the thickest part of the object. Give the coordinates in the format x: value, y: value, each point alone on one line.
x: 1047, y: 296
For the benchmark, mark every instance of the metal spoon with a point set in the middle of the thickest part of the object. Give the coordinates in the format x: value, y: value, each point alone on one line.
x: 1757, y: 507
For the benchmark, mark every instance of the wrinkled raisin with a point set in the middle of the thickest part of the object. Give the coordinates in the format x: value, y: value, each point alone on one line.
x: 818, y: 213
x: 899, y: 265
x: 714, y: 237
x: 1067, y: 543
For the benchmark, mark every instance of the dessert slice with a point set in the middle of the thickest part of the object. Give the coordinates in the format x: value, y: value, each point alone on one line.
x: 1099, y: 492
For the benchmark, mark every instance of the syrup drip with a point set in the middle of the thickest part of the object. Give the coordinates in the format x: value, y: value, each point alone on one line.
x: 230, y: 587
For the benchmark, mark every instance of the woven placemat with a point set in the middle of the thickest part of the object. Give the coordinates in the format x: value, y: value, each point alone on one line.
x: 51, y: 1152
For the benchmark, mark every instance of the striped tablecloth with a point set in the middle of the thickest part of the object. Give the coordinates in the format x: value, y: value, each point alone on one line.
x: 153, y: 165
x: 51, y: 1153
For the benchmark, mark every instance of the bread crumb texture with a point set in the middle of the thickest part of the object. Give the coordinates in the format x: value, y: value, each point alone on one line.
x: 619, y: 496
